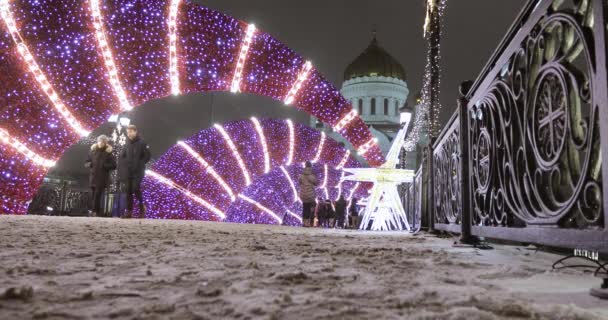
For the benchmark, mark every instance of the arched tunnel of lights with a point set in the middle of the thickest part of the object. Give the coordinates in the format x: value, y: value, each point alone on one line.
x: 66, y: 66
x: 246, y: 171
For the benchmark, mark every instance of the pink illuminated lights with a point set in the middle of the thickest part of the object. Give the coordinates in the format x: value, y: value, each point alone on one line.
x: 6, y: 139
x: 240, y: 64
x: 302, y: 76
x: 173, y: 70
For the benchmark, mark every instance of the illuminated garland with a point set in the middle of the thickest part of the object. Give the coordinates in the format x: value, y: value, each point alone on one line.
x: 426, y: 120
x: 198, y: 179
x: 68, y: 66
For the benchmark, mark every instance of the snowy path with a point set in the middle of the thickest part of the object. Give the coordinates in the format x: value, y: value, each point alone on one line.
x: 109, y: 268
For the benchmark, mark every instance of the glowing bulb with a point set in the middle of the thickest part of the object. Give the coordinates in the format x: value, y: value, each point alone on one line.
x: 208, y: 168
x: 102, y: 43
x: 187, y: 193
x: 302, y: 76
x: 173, y: 63
x: 240, y: 64
x: 40, y: 77
x: 292, y: 138
x: 296, y: 198
x: 235, y: 153
x: 261, y: 207
x: 22, y: 149
x: 320, y: 149
x: 260, y: 131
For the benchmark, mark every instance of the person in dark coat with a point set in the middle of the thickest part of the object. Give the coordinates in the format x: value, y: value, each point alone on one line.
x: 340, y: 211
x: 354, y: 214
x: 330, y: 214
x: 132, y: 168
x: 320, y: 212
x: 308, y: 182
x: 100, y: 162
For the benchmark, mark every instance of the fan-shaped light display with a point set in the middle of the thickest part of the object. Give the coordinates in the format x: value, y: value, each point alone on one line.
x: 67, y: 66
x: 200, y: 178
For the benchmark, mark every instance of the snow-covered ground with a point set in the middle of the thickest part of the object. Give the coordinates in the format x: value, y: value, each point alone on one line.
x: 73, y: 268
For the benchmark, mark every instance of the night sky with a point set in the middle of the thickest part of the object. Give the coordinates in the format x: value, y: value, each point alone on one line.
x: 330, y: 33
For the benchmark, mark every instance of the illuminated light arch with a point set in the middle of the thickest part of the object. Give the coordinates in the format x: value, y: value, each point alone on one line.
x: 192, y: 162
x: 271, y: 192
x: 320, y: 148
x: 110, y: 57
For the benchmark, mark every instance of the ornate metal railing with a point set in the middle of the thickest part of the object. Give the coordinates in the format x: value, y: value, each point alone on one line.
x: 60, y: 199
x: 521, y: 158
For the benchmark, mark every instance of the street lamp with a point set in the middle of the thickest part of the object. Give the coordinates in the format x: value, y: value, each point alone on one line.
x: 119, y: 137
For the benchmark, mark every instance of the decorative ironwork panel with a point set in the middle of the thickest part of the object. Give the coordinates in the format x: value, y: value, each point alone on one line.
x: 534, y: 129
x: 446, y: 176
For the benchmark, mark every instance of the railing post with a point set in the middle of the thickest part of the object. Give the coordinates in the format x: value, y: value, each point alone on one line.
x: 465, y: 161
x: 430, y: 198
x: 600, y: 95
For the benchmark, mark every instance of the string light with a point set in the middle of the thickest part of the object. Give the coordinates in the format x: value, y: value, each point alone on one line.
x: 208, y: 168
x: 260, y: 132
x: 292, y: 138
x: 6, y: 139
x: 173, y: 70
x: 426, y: 120
x: 339, y: 186
x: 367, y: 146
x: 40, y: 77
x: 344, y: 159
x: 261, y: 207
x: 108, y: 58
x: 235, y: 153
x: 348, y: 118
x: 296, y: 198
x: 302, y: 76
x: 186, y: 192
x: 240, y: 64
x: 294, y: 215
x: 320, y: 149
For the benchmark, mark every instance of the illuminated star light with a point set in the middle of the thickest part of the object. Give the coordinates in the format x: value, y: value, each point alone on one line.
x: 235, y: 153
x: 292, y: 139
x: 40, y: 77
x: 261, y: 207
x: 384, y: 208
x: 348, y: 118
x: 186, y: 192
x: 302, y: 76
x: 344, y: 160
x: 173, y: 71
x: 108, y: 58
x: 208, y: 168
x: 260, y: 131
x: 6, y: 139
x: 367, y: 146
x: 320, y: 149
x: 240, y: 64
x: 296, y: 198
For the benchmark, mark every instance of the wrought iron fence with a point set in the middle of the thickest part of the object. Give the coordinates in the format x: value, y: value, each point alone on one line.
x: 521, y: 158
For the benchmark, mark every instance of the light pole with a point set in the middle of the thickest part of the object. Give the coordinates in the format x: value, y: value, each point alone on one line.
x: 119, y: 139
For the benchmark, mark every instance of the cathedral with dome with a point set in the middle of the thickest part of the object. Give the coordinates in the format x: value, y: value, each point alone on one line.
x: 375, y: 84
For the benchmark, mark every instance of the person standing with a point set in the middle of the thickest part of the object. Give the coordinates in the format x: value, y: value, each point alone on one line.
x: 330, y: 214
x: 354, y: 214
x: 320, y: 212
x: 132, y: 168
x: 100, y: 162
x: 341, y: 211
x: 308, y: 182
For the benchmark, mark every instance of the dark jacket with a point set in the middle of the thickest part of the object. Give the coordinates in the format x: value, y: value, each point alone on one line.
x: 100, y: 163
x: 341, y: 208
x: 308, y: 182
x: 132, y: 160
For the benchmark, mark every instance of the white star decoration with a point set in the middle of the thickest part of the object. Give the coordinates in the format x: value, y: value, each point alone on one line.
x: 384, y: 205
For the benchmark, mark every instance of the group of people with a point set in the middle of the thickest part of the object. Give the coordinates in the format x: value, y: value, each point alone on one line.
x: 323, y: 212
x: 131, y: 165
